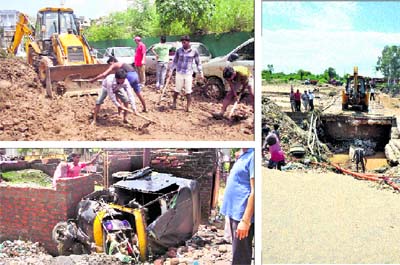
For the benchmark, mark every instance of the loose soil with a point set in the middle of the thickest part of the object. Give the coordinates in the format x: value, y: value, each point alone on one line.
x: 28, y: 115
x: 327, y: 218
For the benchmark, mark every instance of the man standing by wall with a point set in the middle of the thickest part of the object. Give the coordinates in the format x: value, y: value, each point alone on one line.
x: 140, y: 59
x: 183, y: 63
x: 238, y: 206
x: 161, y: 51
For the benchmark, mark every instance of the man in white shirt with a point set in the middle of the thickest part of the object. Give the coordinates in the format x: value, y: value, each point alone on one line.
x: 311, y: 99
x: 117, y: 87
x: 372, y: 94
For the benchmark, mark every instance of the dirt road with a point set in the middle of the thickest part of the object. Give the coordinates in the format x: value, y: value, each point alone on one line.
x: 327, y: 218
x: 328, y: 98
x: 28, y: 115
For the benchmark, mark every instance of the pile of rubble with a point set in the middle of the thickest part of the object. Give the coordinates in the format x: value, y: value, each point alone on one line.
x: 208, y: 246
x: 290, y: 133
x: 20, y: 252
x: 343, y: 147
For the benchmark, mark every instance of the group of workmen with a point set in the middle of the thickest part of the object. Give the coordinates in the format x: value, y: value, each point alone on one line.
x: 296, y: 98
x: 119, y: 86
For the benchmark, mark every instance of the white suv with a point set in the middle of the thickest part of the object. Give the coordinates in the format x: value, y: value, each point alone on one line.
x: 242, y: 55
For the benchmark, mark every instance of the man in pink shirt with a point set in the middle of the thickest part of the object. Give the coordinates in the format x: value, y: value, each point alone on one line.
x: 140, y: 59
x: 71, y: 169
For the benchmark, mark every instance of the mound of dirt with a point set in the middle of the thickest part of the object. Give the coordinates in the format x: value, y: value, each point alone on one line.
x: 290, y: 132
x: 30, y: 116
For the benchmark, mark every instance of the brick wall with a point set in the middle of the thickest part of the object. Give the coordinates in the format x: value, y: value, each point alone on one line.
x: 123, y: 160
x: 199, y: 164
x: 31, y: 213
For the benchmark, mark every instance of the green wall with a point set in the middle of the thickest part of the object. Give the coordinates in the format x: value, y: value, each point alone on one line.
x: 218, y: 44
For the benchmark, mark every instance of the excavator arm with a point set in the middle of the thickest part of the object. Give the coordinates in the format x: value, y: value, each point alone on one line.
x: 23, y: 28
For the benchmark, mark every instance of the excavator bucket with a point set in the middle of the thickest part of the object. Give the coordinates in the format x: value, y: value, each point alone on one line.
x: 72, y: 80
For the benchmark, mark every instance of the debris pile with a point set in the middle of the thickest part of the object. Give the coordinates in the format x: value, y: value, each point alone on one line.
x: 290, y: 133
x: 368, y: 146
x: 208, y: 246
x: 27, y: 114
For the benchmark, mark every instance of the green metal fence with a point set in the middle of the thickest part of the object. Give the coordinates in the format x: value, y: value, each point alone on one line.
x: 218, y: 44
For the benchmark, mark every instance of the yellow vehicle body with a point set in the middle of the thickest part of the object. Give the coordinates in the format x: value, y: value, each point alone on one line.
x: 355, y: 93
x: 59, y: 52
x: 98, y: 231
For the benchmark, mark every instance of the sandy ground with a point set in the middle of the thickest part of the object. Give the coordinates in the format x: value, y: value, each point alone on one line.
x: 327, y: 218
x: 28, y: 115
x: 279, y: 93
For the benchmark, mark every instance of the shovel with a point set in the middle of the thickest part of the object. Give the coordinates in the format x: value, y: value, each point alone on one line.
x: 234, y: 106
x: 163, y: 89
x: 137, y: 114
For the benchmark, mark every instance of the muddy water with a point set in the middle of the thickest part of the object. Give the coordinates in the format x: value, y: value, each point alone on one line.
x: 373, y: 162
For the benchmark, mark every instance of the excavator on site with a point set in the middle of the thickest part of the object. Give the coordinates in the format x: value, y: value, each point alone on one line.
x: 58, y: 50
x: 355, y: 93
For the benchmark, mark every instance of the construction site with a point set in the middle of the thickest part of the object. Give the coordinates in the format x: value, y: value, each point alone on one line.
x: 334, y: 212
x: 50, y: 93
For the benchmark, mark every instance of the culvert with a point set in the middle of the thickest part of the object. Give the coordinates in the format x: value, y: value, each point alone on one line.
x: 337, y: 129
x: 342, y: 132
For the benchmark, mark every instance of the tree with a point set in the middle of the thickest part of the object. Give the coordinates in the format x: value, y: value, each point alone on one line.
x: 189, y: 13
x: 123, y: 25
x: 389, y: 63
x: 330, y: 73
x: 270, y: 68
x: 301, y: 73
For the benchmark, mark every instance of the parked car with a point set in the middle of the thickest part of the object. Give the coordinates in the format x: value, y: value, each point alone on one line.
x: 151, y: 62
x: 242, y: 55
x: 123, y: 54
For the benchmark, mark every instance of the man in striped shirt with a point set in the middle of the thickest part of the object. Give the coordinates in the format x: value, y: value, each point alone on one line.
x: 183, y: 63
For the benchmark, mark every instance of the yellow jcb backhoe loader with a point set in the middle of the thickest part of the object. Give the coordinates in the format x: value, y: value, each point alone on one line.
x: 59, y: 52
x: 355, y: 92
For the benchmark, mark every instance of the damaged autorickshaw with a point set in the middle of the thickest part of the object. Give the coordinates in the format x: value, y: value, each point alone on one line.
x: 140, y: 215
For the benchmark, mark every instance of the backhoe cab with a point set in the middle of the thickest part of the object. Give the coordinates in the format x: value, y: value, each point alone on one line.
x: 355, y: 93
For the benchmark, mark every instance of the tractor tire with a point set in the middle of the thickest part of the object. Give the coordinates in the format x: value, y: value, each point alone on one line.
x: 214, y: 89
x: 44, y: 64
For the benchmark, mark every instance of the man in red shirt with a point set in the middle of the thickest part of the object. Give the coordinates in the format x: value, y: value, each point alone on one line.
x: 140, y: 59
x: 297, y: 99
x: 72, y: 169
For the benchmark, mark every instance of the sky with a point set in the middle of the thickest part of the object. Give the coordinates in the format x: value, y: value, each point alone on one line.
x: 88, y: 8
x: 314, y: 36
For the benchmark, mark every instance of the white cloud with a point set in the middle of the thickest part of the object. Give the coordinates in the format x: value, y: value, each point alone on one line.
x: 317, y: 15
x: 315, y: 51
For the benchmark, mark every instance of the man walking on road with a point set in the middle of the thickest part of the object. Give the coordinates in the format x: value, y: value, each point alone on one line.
x: 140, y: 59
x: 183, y: 63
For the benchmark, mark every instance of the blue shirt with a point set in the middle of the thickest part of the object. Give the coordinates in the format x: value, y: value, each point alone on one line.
x: 183, y: 61
x: 238, y: 186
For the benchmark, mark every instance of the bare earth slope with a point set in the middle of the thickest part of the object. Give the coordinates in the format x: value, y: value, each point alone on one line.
x: 28, y: 115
